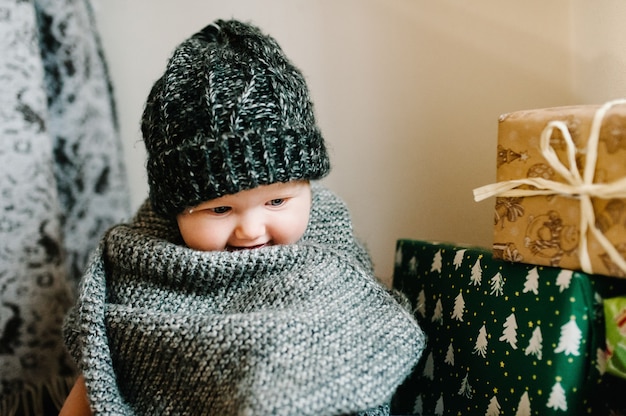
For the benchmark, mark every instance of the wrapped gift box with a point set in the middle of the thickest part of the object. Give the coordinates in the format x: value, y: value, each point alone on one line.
x: 505, y: 338
x: 544, y: 227
x: 615, y: 317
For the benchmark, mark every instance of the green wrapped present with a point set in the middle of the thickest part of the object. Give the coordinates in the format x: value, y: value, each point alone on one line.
x: 505, y: 338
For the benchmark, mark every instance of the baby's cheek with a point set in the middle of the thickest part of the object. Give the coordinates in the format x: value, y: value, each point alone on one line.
x: 290, y: 232
x: 298, y: 229
x: 203, y: 238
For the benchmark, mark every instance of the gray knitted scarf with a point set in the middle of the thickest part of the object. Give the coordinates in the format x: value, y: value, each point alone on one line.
x: 303, y: 329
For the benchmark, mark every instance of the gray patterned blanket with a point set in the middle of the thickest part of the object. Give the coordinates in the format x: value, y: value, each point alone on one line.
x: 61, y: 185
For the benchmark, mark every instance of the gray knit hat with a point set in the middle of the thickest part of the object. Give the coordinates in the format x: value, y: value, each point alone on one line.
x: 230, y: 113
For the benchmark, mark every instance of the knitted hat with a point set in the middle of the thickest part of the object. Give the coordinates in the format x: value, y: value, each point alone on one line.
x: 230, y: 113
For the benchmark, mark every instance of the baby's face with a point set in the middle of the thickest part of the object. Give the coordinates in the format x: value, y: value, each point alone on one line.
x: 263, y: 216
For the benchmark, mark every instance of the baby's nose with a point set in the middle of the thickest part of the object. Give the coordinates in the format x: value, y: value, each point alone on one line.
x: 250, y: 227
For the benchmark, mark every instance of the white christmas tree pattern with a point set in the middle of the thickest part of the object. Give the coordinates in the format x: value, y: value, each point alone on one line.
x: 476, y: 277
x: 601, y: 360
x: 564, y: 279
x: 438, y: 313
x: 557, y: 399
x: 466, y: 388
x: 497, y: 285
x: 439, y: 406
x: 480, y: 347
x: 439, y: 409
x: 420, y: 306
x: 535, y: 345
x: 519, y: 292
x: 429, y: 367
x: 494, y: 407
x: 523, y: 408
x: 569, y: 341
x: 532, y: 281
x: 509, y: 334
x: 437, y: 262
x: 458, y: 259
x: 418, y: 406
x: 398, y: 260
x: 459, y: 307
x: 413, y: 266
x: 598, y: 299
x: 450, y: 355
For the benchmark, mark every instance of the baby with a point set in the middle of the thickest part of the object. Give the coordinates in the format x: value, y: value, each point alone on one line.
x: 239, y: 287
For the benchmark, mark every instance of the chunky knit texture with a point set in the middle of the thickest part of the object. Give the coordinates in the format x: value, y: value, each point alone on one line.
x: 230, y: 113
x: 303, y: 329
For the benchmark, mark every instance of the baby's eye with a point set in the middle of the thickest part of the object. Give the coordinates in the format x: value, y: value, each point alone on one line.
x: 276, y: 202
x: 220, y: 210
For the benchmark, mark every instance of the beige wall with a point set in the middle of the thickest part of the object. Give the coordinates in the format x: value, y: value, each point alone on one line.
x: 407, y: 92
x: 598, y: 36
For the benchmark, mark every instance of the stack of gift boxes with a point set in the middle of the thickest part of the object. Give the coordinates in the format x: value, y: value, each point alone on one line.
x: 536, y: 325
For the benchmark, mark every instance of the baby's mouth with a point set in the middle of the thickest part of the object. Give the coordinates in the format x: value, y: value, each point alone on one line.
x: 240, y: 248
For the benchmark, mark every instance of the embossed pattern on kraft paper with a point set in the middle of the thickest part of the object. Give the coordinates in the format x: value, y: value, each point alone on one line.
x: 545, y: 229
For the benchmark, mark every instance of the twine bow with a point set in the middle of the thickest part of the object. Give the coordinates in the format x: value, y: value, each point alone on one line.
x: 574, y: 186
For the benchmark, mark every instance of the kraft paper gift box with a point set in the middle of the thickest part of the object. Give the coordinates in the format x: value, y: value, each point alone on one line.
x: 561, y: 188
x: 505, y: 338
